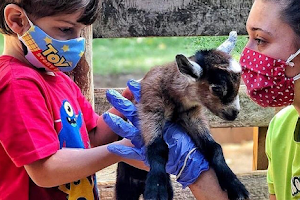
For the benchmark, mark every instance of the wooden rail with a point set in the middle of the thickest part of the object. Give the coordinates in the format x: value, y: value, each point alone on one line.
x: 251, y: 115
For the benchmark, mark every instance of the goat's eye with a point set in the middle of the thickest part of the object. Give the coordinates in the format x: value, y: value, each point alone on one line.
x: 218, y: 90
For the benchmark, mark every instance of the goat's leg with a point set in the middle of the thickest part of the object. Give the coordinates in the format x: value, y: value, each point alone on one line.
x: 212, y: 151
x: 130, y: 182
x: 158, y: 184
x: 153, y: 115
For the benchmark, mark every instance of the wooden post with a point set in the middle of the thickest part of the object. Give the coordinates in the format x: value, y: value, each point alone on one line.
x: 260, y: 160
x: 83, y: 73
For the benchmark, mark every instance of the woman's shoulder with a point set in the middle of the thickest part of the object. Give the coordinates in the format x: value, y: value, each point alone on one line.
x: 286, y: 112
x: 281, y: 128
x: 284, y: 119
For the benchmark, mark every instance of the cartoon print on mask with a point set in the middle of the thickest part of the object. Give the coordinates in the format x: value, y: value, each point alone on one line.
x: 43, y: 51
x: 70, y: 136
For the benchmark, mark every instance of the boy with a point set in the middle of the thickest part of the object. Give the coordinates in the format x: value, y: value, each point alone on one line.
x: 46, y: 121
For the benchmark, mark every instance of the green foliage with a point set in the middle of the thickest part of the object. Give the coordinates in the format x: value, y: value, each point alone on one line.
x: 1, y: 44
x: 134, y: 55
x: 208, y: 42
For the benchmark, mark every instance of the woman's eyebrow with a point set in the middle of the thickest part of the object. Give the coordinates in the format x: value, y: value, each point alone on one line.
x: 260, y: 29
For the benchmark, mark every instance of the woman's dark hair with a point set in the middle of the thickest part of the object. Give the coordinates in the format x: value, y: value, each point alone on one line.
x: 44, y: 8
x: 291, y: 15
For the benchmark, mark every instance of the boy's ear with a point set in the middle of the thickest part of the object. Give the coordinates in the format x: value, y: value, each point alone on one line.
x: 16, y: 19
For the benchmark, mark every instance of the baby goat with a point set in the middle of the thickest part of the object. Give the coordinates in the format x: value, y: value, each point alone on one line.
x: 177, y: 92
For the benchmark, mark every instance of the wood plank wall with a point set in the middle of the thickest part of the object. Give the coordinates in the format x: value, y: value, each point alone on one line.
x: 141, y: 18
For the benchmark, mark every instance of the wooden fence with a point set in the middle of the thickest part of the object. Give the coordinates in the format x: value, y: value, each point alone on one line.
x: 145, y: 18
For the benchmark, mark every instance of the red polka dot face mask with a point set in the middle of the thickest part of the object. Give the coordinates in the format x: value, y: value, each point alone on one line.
x: 265, y: 78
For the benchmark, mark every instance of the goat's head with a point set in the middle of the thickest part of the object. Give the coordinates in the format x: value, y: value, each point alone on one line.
x: 213, y: 80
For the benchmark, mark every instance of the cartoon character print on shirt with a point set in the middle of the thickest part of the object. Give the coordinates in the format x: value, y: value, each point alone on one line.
x: 295, y: 182
x: 80, y: 190
x: 70, y: 136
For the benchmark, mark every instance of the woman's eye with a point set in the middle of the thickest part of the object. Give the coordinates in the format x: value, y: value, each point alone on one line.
x: 259, y: 41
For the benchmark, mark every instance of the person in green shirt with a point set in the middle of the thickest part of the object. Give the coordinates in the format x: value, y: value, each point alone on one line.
x: 271, y: 70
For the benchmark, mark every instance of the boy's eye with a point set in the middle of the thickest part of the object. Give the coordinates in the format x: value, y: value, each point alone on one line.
x: 65, y: 30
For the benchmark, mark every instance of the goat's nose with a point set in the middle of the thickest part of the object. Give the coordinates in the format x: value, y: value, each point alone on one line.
x: 231, y: 114
x: 235, y: 113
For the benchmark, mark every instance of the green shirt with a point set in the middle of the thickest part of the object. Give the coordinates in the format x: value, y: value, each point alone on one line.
x: 284, y: 155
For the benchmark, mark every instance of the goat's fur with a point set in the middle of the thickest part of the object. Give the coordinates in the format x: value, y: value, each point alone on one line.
x: 177, y: 92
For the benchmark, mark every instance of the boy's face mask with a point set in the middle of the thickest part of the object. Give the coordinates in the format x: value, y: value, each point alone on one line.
x: 53, y: 55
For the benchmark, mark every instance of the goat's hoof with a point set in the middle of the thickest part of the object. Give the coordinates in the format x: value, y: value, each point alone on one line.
x: 158, y: 187
x: 237, y: 191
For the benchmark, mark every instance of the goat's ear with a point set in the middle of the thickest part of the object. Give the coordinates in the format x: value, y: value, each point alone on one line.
x: 188, y: 67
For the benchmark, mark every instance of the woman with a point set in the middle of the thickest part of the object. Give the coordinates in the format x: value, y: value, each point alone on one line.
x: 271, y: 68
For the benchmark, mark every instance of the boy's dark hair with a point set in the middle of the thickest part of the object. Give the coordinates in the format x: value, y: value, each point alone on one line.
x: 44, y: 8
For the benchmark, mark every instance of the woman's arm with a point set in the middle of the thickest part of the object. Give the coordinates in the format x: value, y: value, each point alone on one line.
x: 207, y: 187
x: 272, y: 197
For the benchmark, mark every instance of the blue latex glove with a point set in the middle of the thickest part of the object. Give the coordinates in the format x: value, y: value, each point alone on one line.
x: 184, y: 160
